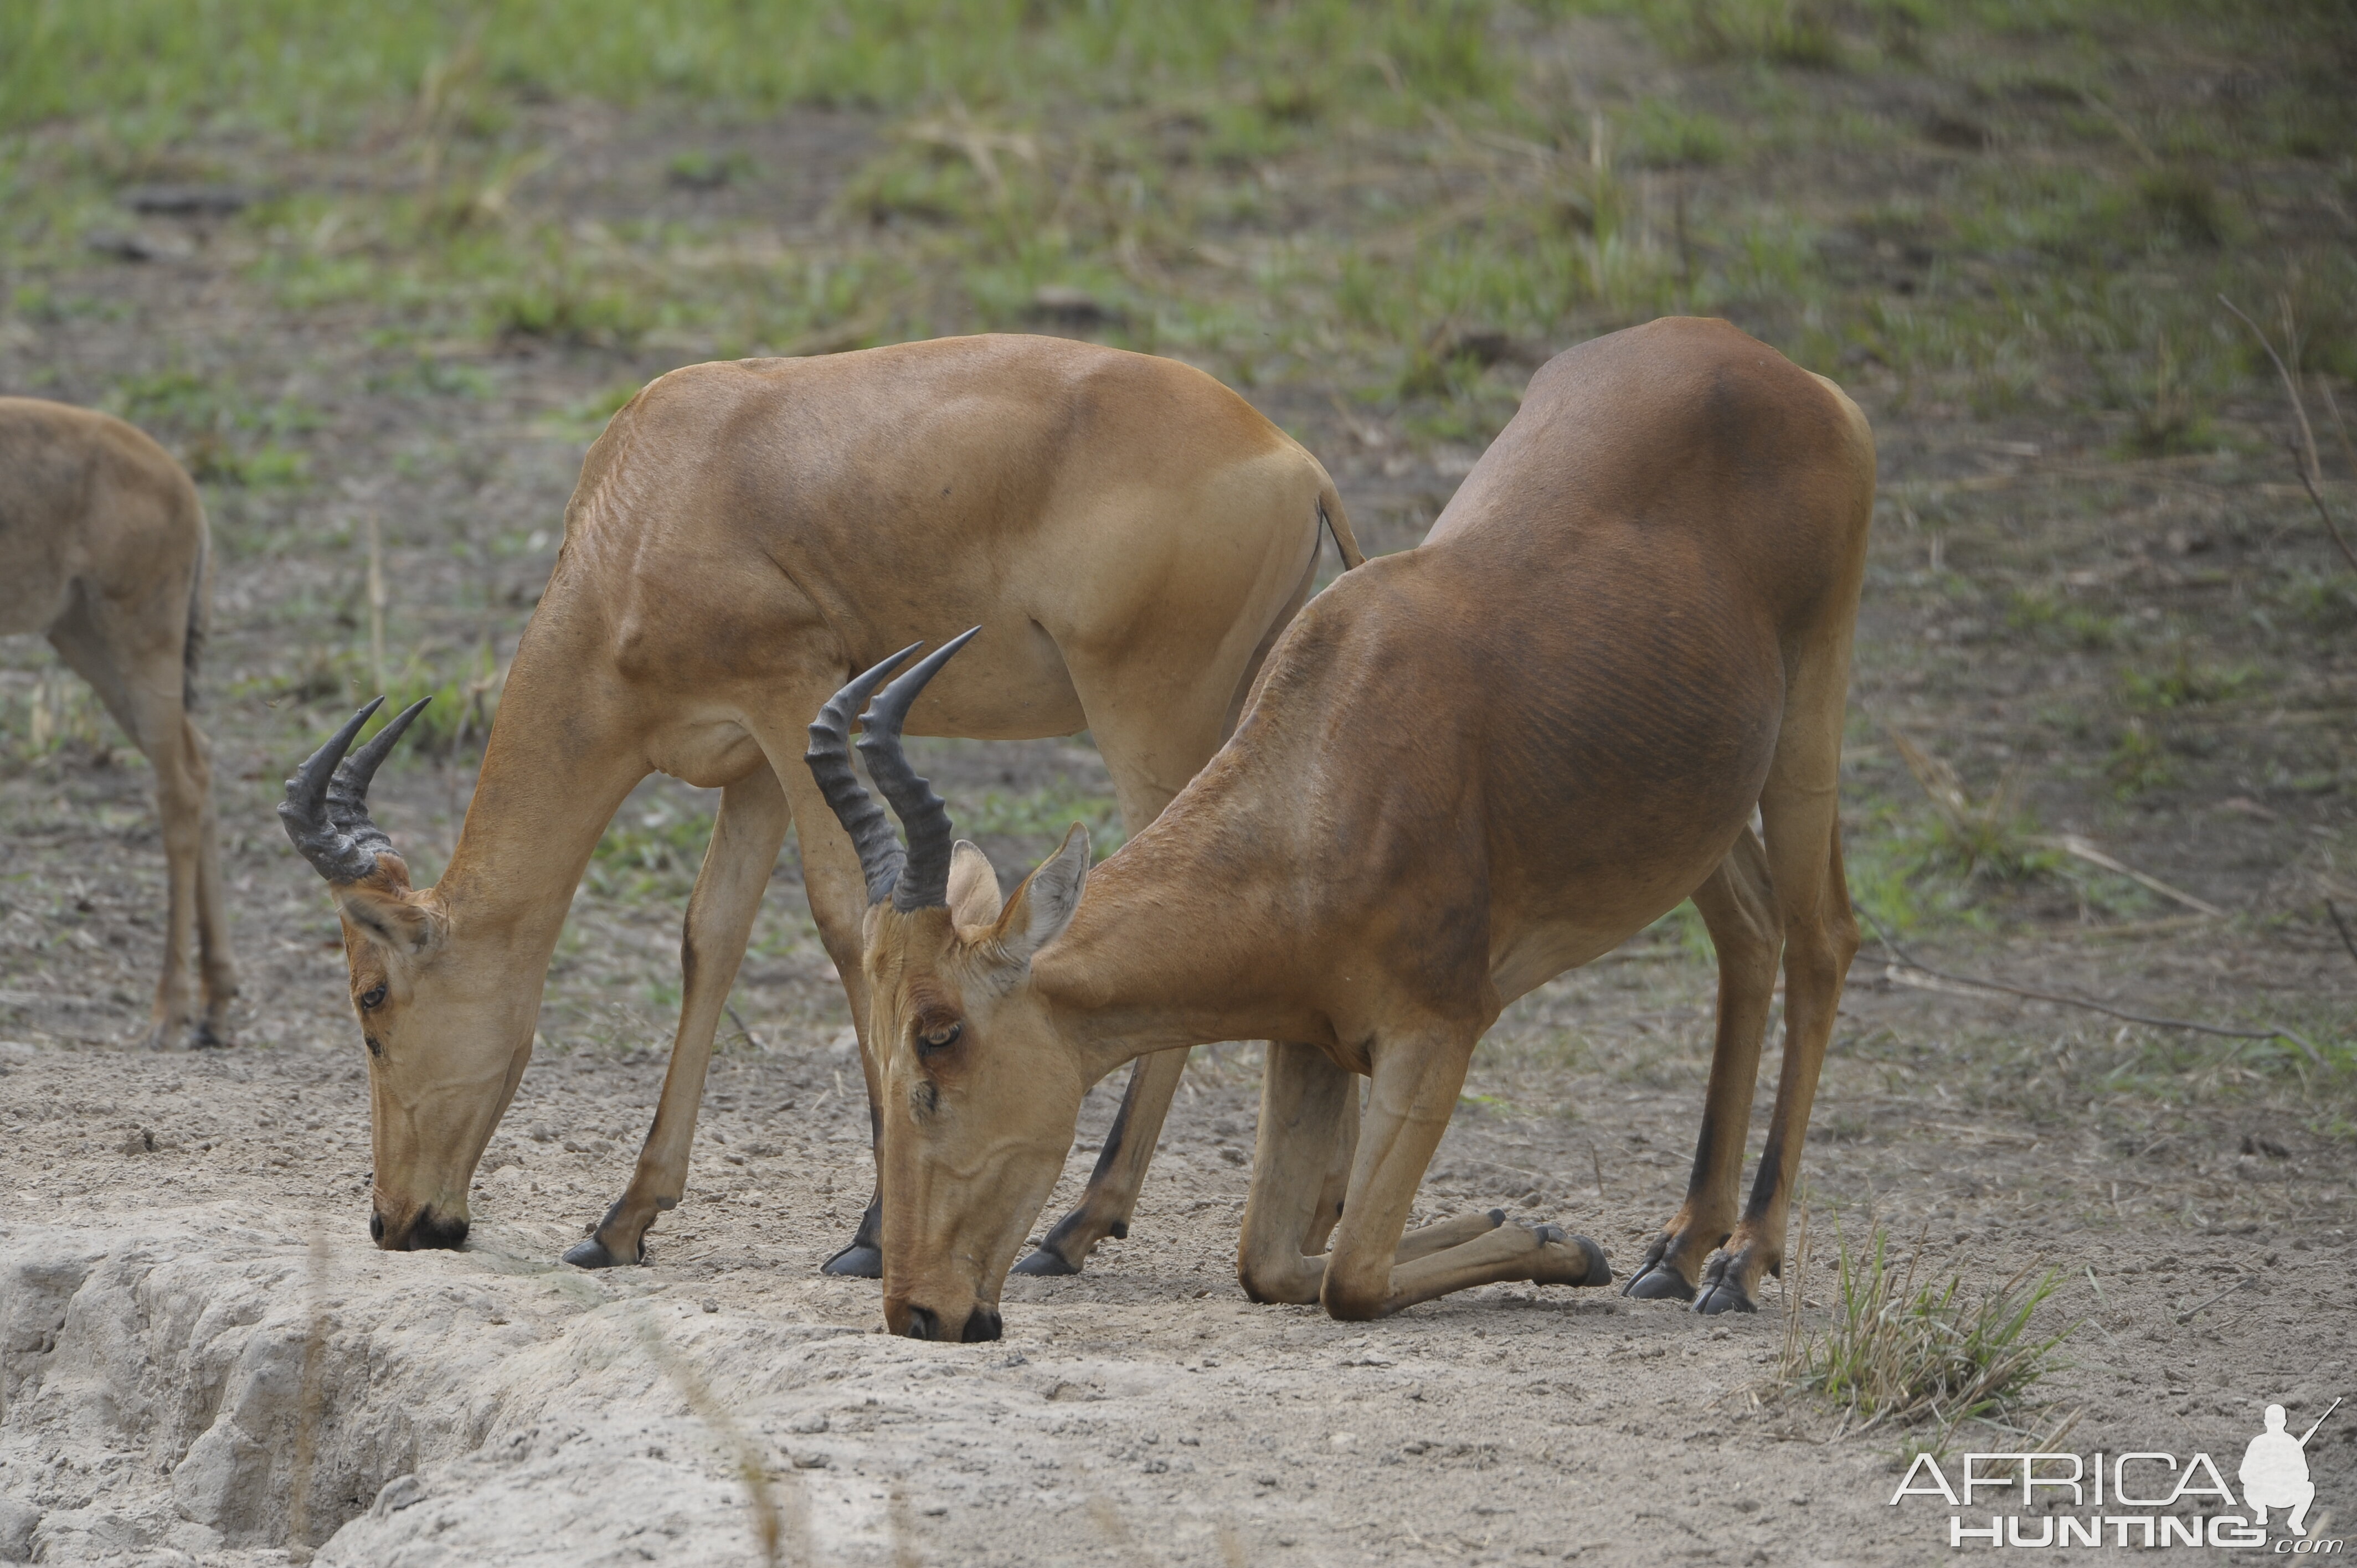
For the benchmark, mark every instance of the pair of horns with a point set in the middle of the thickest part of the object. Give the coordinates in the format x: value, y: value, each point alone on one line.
x: 325, y: 809
x: 919, y: 879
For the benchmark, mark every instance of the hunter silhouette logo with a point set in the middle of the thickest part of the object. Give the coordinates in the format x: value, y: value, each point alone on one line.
x: 2274, y: 1471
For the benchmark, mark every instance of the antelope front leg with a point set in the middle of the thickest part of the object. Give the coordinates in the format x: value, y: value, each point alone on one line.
x: 1104, y: 1208
x: 746, y: 838
x: 1303, y: 1097
x: 1372, y: 1271
x: 1739, y: 907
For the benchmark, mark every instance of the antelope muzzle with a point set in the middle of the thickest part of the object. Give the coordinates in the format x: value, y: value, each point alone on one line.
x: 424, y: 1229
x: 980, y: 1325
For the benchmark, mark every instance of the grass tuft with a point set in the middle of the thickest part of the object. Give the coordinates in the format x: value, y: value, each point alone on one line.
x: 1895, y: 1353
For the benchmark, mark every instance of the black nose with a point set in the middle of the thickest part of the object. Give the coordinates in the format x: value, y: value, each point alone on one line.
x: 923, y: 1324
x: 376, y: 1226
x: 982, y: 1324
x: 432, y: 1230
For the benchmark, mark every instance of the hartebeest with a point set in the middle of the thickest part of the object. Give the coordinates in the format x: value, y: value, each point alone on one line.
x: 103, y: 548
x: 1465, y: 769
x: 743, y: 538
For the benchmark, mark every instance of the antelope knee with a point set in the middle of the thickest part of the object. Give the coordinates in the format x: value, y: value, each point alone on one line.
x: 1356, y: 1299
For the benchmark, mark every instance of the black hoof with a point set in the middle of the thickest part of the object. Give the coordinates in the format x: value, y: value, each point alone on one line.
x: 1596, y: 1270
x: 1046, y: 1263
x: 856, y: 1261
x: 1659, y: 1282
x: 202, y: 1038
x: 1722, y: 1294
x: 591, y: 1253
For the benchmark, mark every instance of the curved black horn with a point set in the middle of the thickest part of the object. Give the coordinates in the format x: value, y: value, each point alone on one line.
x: 830, y: 763
x: 325, y: 809
x: 924, y: 882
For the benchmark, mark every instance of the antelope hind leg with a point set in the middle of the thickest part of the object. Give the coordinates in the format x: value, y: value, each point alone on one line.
x: 1415, y: 1086
x: 746, y: 838
x: 1104, y: 1208
x: 1542, y: 1254
x: 1738, y: 906
x: 1799, y: 810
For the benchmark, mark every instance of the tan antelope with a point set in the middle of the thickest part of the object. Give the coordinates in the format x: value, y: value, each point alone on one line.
x: 104, y: 550
x: 745, y: 537
x: 1465, y: 769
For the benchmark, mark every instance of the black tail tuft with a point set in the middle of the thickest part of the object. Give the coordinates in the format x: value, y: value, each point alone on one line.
x: 193, y: 648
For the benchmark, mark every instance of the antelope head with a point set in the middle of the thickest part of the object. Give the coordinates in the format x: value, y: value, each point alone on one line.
x: 432, y: 1103
x: 979, y: 1094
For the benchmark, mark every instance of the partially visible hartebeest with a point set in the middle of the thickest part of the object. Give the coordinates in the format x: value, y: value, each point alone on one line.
x: 1465, y: 769
x: 102, y: 548
x: 745, y: 537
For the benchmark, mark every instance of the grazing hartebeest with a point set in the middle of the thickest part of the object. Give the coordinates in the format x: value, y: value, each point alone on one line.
x: 1464, y: 771
x: 744, y: 537
x: 102, y: 548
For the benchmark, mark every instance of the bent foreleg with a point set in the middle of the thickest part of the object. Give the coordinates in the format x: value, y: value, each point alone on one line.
x: 746, y: 838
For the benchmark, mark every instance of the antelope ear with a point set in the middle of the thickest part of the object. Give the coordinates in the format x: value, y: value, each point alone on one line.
x: 1045, y: 904
x: 974, y: 886
x: 384, y: 911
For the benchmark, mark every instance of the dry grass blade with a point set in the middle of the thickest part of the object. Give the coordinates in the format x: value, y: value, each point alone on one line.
x: 2311, y: 471
x: 1985, y: 833
x: 769, y: 1525
x: 2074, y: 845
x: 310, y: 1396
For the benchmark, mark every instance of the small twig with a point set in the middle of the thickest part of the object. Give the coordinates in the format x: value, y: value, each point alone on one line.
x: 1597, y: 1160
x: 2190, y: 1312
x: 2342, y: 927
x: 750, y: 1038
x: 1900, y: 955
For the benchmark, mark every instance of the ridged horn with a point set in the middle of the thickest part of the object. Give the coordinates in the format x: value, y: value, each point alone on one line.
x: 924, y: 881
x: 325, y: 809
x: 829, y: 757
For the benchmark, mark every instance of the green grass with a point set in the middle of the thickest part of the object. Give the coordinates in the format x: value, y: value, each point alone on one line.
x: 1893, y: 1352
x: 317, y: 71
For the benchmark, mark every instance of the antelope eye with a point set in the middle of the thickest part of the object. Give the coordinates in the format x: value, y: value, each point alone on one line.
x: 940, y: 1037
x: 374, y: 998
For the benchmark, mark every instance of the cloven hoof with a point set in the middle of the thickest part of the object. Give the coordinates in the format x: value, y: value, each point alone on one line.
x: 589, y: 1252
x: 1659, y: 1282
x: 1721, y: 1290
x: 1045, y: 1262
x: 856, y: 1261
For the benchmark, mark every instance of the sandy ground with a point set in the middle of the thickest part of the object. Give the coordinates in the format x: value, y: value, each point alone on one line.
x: 172, y: 1313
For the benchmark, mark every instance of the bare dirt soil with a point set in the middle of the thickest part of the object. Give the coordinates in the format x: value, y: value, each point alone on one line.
x: 202, y: 1361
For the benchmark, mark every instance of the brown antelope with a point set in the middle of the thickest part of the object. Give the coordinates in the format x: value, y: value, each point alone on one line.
x: 745, y: 537
x: 1465, y: 769
x: 103, y: 549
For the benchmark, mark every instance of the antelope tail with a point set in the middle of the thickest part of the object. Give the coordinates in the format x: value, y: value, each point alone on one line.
x: 1338, y: 524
